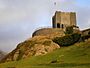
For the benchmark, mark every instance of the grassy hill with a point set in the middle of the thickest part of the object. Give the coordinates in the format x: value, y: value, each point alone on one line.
x: 75, y: 56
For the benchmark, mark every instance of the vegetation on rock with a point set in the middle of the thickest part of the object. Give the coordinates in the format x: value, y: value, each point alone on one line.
x: 67, y: 40
x: 69, y: 30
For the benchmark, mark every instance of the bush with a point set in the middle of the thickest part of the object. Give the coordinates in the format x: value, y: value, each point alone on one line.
x: 67, y: 40
x: 69, y: 30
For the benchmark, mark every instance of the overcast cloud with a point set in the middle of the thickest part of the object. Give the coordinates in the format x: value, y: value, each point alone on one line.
x: 20, y: 18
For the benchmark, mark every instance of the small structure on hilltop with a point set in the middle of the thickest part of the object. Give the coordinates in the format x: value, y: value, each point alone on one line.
x: 86, y: 32
x: 64, y: 19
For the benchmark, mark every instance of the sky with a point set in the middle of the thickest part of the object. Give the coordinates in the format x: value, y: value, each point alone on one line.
x: 20, y: 18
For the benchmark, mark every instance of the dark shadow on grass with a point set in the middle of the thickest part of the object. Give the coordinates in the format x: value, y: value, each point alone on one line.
x: 65, y: 64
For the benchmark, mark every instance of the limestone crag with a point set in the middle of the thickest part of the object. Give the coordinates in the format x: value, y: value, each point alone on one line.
x: 38, y: 45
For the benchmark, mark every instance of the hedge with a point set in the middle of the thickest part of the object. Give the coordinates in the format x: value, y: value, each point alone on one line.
x: 67, y: 40
x: 69, y: 30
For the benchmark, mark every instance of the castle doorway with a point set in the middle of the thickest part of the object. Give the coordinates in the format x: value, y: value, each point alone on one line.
x: 58, y: 25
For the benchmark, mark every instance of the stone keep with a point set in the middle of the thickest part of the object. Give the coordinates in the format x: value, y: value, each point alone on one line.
x: 63, y: 19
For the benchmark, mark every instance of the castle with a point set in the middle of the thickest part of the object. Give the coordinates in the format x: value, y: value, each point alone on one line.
x: 60, y: 21
x: 64, y: 19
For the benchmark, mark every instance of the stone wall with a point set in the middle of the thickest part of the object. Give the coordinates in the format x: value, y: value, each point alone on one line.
x: 73, y: 18
x: 65, y: 18
x: 50, y: 32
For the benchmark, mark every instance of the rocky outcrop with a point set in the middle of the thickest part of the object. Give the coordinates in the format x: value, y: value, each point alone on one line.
x: 38, y: 45
x: 2, y: 54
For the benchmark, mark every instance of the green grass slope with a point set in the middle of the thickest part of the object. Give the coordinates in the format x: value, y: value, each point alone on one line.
x: 75, y: 56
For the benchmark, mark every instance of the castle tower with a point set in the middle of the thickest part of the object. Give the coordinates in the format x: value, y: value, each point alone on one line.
x: 63, y: 19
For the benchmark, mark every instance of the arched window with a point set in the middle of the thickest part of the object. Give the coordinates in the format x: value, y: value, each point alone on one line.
x: 58, y: 25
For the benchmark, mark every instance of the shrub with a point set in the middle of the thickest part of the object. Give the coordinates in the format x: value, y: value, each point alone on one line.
x: 67, y: 40
x: 69, y: 30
